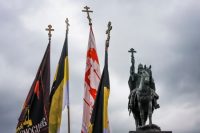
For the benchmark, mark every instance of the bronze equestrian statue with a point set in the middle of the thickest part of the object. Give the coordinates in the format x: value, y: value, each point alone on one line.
x: 142, y: 98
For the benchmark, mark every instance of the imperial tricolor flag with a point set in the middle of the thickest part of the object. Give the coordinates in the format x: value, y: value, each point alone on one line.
x: 99, y: 122
x: 59, y: 96
x: 34, y: 115
x: 92, y: 78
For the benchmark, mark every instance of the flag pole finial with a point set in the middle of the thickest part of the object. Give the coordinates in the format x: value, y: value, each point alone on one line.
x: 67, y: 24
x: 108, y: 34
x: 49, y: 29
x: 88, y: 15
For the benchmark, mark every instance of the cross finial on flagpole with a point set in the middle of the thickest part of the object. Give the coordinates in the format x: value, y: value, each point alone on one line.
x: 108, y: 34
x: 88, y: 15
x: 67, y: 23
x: 49, y: 29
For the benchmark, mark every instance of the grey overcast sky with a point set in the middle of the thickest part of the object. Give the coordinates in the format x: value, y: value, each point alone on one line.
x: 165, y: 33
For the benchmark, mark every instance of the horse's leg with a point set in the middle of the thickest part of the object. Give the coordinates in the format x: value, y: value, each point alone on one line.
x: 150, y: 112
x: 141, y: 113
x: 136, y: 120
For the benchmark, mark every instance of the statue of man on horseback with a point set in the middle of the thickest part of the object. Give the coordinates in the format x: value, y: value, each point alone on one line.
x: 142, y: 98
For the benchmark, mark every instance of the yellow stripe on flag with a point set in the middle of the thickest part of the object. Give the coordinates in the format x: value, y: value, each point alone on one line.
x: 90, y: 128
x: 105, y: 107
x: 65, y: 85
x: 66, y: 71
x: 56, y: 110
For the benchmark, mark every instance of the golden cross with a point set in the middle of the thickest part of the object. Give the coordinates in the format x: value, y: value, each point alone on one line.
x: 88, y: 15
x: 67, y: 23
x: 108, y: 33
x: 49, y: 29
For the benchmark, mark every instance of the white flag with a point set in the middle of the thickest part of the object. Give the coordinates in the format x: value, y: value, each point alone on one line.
x: 91, y: 82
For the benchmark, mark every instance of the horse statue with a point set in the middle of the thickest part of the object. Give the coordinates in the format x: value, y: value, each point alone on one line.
x: 142, y: 98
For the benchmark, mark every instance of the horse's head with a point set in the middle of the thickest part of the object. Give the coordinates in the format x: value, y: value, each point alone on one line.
x: 146, y: 75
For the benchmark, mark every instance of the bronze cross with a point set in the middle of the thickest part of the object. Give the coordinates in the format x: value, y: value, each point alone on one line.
x: 108, y: 34
x: 88, y: 15
x: 67, y: 23
x: 132, y: 51
x: 49, y: 29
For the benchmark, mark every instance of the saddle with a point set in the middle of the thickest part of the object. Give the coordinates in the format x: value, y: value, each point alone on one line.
x: 145, y: 94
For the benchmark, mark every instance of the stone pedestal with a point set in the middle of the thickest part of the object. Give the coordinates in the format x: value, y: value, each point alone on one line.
x: 150, y: 131
x: 153, y: 128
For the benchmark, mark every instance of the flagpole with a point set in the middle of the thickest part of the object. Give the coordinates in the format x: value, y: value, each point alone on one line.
x: 49, y: 29
x: 68, y: 108
x: 68, y: 112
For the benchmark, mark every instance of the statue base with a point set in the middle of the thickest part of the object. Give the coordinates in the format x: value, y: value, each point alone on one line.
x: 152, y: 127
x: 149, y: 129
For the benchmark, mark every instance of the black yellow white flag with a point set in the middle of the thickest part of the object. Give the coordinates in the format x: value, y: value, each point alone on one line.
x: 99, y: 122
x: 59, y: 96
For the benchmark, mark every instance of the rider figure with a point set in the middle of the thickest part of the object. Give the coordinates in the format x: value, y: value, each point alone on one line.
x: 134, y: 82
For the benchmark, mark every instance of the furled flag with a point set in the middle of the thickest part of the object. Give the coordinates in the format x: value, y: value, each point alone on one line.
x: 59, y: 96
x: 99, y: 122
x: 92, y: 78
x: 34, y: 115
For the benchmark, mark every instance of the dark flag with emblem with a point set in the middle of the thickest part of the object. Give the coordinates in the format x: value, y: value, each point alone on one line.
x: 59, y: 97
x: 99, y: 122
x: 34, y: 115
